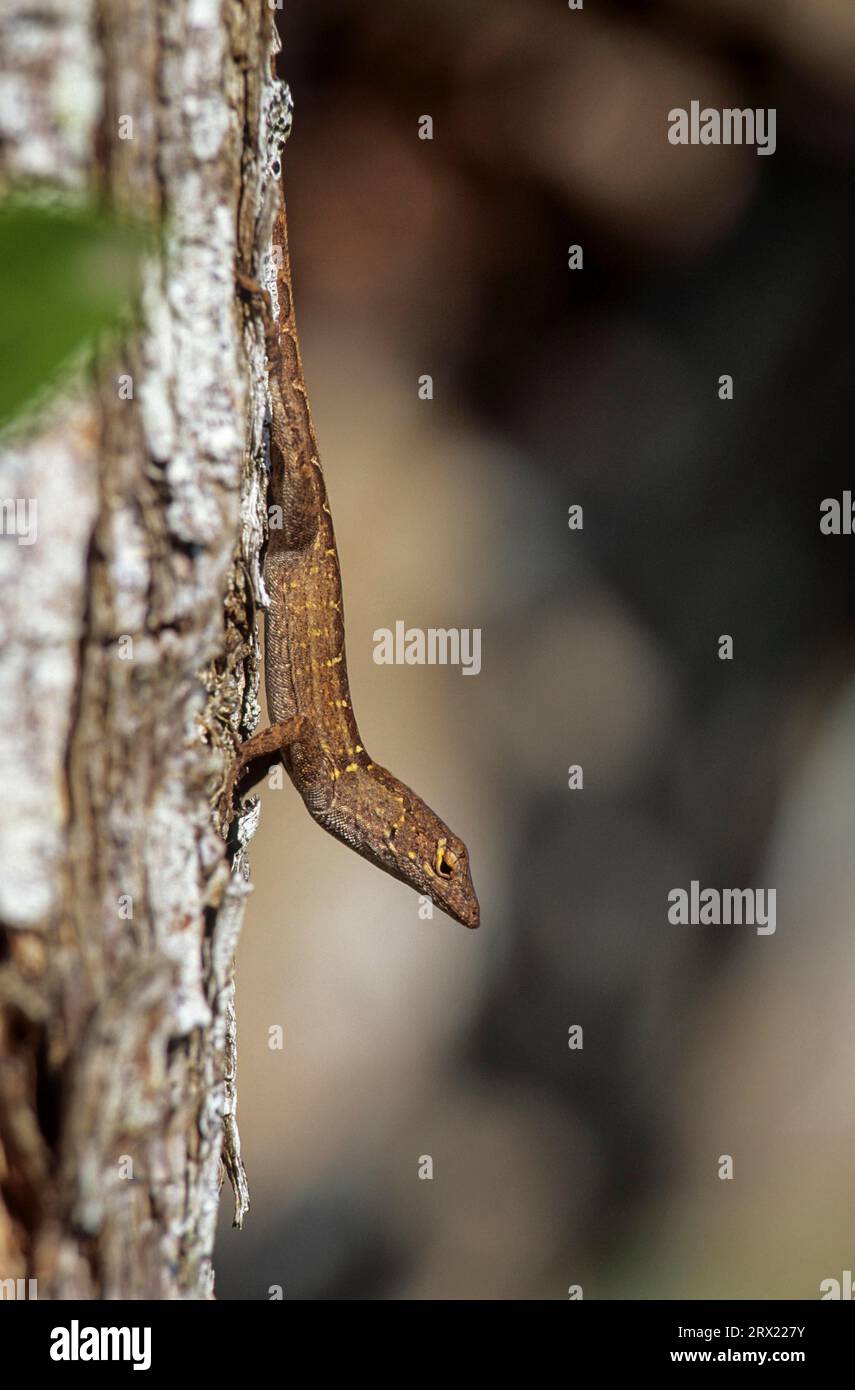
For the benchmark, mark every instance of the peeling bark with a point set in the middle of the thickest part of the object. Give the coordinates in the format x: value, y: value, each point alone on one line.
x: 128, y: 658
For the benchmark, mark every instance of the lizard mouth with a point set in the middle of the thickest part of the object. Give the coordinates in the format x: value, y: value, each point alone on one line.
x: 468, y: 914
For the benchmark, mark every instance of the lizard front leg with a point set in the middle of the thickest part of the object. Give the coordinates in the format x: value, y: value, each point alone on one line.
x: 258, y: 754
x: 295, y: 741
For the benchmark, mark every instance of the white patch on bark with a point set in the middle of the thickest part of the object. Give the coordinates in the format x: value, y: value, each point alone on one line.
x: 41, y: 617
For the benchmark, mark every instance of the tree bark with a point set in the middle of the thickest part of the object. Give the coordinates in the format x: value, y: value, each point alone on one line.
x: 128, y: 657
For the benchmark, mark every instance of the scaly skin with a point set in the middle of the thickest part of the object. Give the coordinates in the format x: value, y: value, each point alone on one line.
x: 314, y: 730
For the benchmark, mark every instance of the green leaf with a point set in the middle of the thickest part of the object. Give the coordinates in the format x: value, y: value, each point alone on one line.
x: 67, y: 275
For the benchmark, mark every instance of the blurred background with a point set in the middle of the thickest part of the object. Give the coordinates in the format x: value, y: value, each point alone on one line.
x: 404, y: 1038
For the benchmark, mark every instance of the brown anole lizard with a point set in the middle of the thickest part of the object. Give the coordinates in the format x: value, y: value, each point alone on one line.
x: 314, y: 730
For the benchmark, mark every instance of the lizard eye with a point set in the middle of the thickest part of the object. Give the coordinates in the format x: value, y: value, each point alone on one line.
x: 446, y: 860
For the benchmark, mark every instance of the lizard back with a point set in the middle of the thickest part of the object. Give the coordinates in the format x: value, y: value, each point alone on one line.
x: 306, y: 667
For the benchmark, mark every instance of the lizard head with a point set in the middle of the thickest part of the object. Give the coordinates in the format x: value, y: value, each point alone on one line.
x: 386, y: 822
x: 421, y: 850
x: 442, y: 870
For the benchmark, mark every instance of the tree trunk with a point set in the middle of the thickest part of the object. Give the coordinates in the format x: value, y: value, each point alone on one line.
x: 129, y: 657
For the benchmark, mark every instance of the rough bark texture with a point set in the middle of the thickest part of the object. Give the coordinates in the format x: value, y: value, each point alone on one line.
x: 128, y: 658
